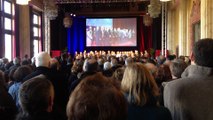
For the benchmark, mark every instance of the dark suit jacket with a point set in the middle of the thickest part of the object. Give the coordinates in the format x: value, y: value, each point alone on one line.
x: 60, y: 86
x: 148, y: 113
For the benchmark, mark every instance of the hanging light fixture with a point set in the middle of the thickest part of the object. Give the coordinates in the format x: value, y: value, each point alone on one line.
x: 22, y: 2
x: 67, y: 20
x: 147, y: 20
x: 154, y: 8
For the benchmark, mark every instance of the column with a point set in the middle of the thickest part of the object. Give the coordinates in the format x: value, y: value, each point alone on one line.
x: 182, y: 28
x: 50, y: 13
x: 206, y: 19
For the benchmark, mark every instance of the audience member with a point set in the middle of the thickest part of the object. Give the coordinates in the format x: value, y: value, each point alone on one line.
x: 54, y: 64
x: 121, y: 60
x: 63, y: 62
x: 152, y: 68
x: 141, y: 92
x: 18, y: 76
x: 11, y: 78
x: 107, y: 69
x: 128, y: 61
x: 177, y: 67
x: 190, y: 97
x: 114, y: 63
x: 90, y: 67
x: 36, y: 99
x: 59, y: 82
x: 26, y: 60
x: 16, y: 63
x: 69, y: 64
x: 96, y: 98
x: 5, y: 61
x: 160, y: 59
x: 169, y: 59
x: 100, y: 64
x: 75, y: 70
x: 163, y: 74
x: 118, y: 75
x: 8, y: 108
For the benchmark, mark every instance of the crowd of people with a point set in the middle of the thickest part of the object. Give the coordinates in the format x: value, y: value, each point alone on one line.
x: 108, y: 86
x: 108, y: 36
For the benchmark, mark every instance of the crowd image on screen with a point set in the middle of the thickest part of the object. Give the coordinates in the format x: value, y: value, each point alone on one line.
x: 110, y: 36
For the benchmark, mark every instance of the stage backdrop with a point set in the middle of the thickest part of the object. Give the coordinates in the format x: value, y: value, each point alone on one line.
x: 73, y: 39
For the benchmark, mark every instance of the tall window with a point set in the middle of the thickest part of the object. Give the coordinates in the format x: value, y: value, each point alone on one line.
x: 8, y: 15
x: 36, y: 28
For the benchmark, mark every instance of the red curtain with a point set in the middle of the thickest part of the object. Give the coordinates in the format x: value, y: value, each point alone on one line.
x: 145, y: 36
x: 141, y: 35
x: 149, y: 37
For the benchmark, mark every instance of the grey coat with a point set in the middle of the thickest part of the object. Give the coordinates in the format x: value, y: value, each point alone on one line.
x: 191, y: 97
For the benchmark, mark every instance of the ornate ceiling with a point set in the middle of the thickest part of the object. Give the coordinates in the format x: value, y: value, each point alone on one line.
x: 103, y: 7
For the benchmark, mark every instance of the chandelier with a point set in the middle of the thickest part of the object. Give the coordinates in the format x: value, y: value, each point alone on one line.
x: 22, y: 2
x: 154, y: 9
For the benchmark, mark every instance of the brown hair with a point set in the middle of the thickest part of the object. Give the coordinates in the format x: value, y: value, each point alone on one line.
x: 96, y: 98
x: 34, y: 95
x: 2, y: 79
x: 203, y: 52
x: 139, y: 84
x: 163, y: 74
x: 177, y: 67
x: 21, y: 72
x: 118, y: 74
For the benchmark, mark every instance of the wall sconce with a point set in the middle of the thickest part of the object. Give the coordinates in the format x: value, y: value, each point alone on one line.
x: 22, y: 2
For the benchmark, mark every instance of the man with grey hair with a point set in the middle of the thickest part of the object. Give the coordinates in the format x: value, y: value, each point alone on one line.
x: 42, y: 62
x: 108, y: 72
x: 16, y: 63
x: 128, y: 61
x: 190, y: 97
x: 90, y: 67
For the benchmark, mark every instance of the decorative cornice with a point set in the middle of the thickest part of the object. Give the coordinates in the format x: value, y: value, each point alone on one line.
x: 195, y: 12
x: 50, y: 9
x: 95, y: 1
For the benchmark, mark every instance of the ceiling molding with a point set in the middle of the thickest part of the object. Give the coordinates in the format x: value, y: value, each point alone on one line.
x: 95, y: 1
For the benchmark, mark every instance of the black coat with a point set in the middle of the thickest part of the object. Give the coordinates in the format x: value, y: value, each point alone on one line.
x: 60, y: 87
x: 148, y: 113
x: 8, y: 108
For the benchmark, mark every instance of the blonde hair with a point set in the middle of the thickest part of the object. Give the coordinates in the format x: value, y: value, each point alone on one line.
x: 139, y: 84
